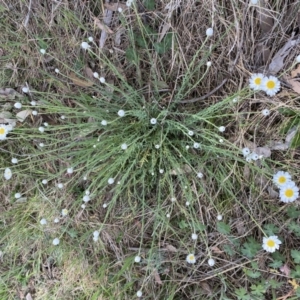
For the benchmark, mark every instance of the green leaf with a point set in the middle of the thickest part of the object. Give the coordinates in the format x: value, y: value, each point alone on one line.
x: 270, y: 229
x: 287, y: 111
x: 149, y: 4
x: 278, y: 256
x: 258, y: 289
x: 251, y: 273
x: 200, y: 227
x: 183, y: 224
x: 296, y: 256
x: 294, y: 227
x: 292, y: 212
x: 296, y: 273
x: 296, y: 140
x: 131, y: 55
x: 229, y: 250
x: 250, y: 248
x: 276, y: 264
x: 242, y: 294
x: 275, y: 284
x: 223, y: 228
x: 164, y: 45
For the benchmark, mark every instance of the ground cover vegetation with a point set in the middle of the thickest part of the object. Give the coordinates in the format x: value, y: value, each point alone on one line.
x: 149, y: 149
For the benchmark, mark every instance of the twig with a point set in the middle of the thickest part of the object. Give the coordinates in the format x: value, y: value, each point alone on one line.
x: 205, y: 96
x: 28, y: 14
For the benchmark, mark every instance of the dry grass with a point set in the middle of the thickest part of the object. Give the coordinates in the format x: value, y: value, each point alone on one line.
x: 137, y: 224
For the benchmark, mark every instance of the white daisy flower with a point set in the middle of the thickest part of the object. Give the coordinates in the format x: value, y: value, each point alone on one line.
x: 86, y: 198
x: 196, y: 145
x: 64, y: 212
x: 43, y: 221
x: 211, y: 262
x: 104, y: 122
x: 102, y: 79
x: 46, y: 124
x: 56, y: 220
x: 139, y: 294
x: 95, y: 238
x: 219, y: 217
x: 289, y: 192
x: 104, y: 205
x: 120, y: 9
x: 221, y: 141
x: 246, y: 151
x: 282, y: 178
x: 270, y: 244
x: 83, y: 206
x: 209, y: 32
x: 25, y: 89
x: 255, y: 81
x: 187, y: 203
x: 17, y: 195
x: 3, y: 132
x: 87, y: 192
x: 208, y: 64
x: 90, y: 38
x: 43, y: 51
x: 7, y: 173
x: 44, y: 181
x: 70, y: 170
x: 55, y: 242
x: 265, y: 112
x: 62, y: 117
x: 110, y: 181
x: 41, y: 145
x: 222, y: 128
x: 157, y: 146
x: 200, y: 175
x: 173, y: 199
x: 96, y: 233
x: 56, y: 71
x: 253, y: 2
x: 18, y: 105
x: 34, y: 112
x: 137, y: 259
x: 271, y: 85
x: 41, y: 129
x: 121, y: 113
x: 298, y: 59
x: 153, y: 121
x: 191, y: 259
x: 161, y: 171
x: 14, y: 160
x: 33, y: 103
x: 254, y: 156
x: 96, y: 75
x: 235, y: 100
x: 124, y: 146
x: 168, y: 216
x: 85, y: 45
x: 194, y: 236
x: 190, y: 132
x: 60, y: 185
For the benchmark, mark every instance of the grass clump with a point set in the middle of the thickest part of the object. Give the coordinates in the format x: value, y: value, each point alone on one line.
x: 136, y: 171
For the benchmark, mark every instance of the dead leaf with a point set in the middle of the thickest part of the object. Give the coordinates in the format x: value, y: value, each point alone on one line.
x: 296, y: 72
x: 278, y: 60
x: 275, y: 145
x: 102, y: 26
x: 89, y: 72
x: 285, y: 270
x: 22, y: 115
x: 9, y: 93
x: 294, y: 84
x: 216, y: 250
x: 115, y: 6
x: 186, y: 169
x: 290, y: 135
x: 262, y: 52
x: 171, y: 248
x: 264, y: 151
x: 294, y: 284
x: 266, y: 20
x: 28, y: 297
x: 272, y: 193
x: 79, y: 81
x: 157, y: 277
x: 206, y: 288
x: 164, y: 30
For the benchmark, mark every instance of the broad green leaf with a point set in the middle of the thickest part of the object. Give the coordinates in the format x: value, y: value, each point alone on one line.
x: 223, y: 228
x: 296, y: 256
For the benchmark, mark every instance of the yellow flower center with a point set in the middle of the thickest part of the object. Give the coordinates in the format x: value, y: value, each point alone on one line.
x: 191, y: 257
x: 281, y: 179
x: 270, y: 84
x: 270, y: 243
x: 289, y: 193
x: 2, y: 130
x: 257, y: 81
